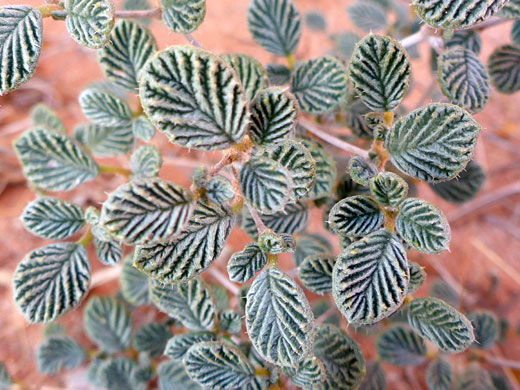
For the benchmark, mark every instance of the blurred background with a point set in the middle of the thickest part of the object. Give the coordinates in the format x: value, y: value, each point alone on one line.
x: 483, y: 263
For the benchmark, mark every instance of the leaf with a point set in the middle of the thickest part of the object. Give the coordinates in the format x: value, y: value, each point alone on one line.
x: 134, y: 284
x: 441, y: 324
x: 273, y: 116
x: 145, y: 162
x: 374, y: 378
x: 504, y: 68
x: 221, y: 295
x: 355, y: 216
x: 361, y: 170
x: 367, y: 16
x: 138, y: 5
x: 275, y: 25
x: 244, y: 265
x: 321, y: 307
x: 108, y: 252
x: 216, y: 365
x: 319, y: 84
x: 272, y: 243
x: 468, y: 39
x: 279, y: 319
x: 325, y: 170
x: 278, y: 74
x: 105, y: 141
x: 515, y: 32
x: 147, y: 211
x: 315, y: 21
x: 43, y: 116
x: 485, y: 327
x: 442, y: 290
x: 152, y: 338
x: 439, y: 375
x: 54, y: 162
x: 298, y: 161
x: 104, y: 108
x: 5, y: 379
x: 310, y: 372
x: 192, y: 303
x: 143, y: 128
x: 510, y: 10
x: 265, y: 184
x: 423, y: 226
x: 230, y: 321
x: 57, y: 352
x: 400, y: 346
x: 89, y: 22
x: 345, y: 43
x: 184, y: 16
x: 54, y: 329
x: 308, y: 244
x: 433, y: 143
x: 220, y: 190
x: 370, y: 278
x: 195, y: 98
x: 341, y: 356
x: 21, y: 33
x: 417, y: 277
x: 131, y: 45
x: 117, y: 374
x: 380, y: 72
x: 52, y: 218
x: 178, y: 346
x: 355, y: 120
x: 388, y: 189
x: 456, y: 15
x: 193, y: 250
x: 173, y: 376
x: 107, y: 323
x: 474, y: 377
x: 51, y: 280
x: 250, y: 72
x: 315, y: 273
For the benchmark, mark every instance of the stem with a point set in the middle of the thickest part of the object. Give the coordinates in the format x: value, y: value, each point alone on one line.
x: 115, y: 169
x: 221, y: 278
x: 193, y: 41
x: 154, y: 13
x: 325, y: 316
x: 86, y: 238
x: 47, y: 10
x: 272, y: 261
x: 416, y: 38
x: 224, y: 161
x: 290, y: 61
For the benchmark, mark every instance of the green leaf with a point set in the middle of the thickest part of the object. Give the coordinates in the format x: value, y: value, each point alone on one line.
x: 220, y: 366
x: 298, y: 161
x: 145, y: 162
x: 195, y: 98
x: 43, y: 116
x: 117, y: 374
x: 310, y: 372
x: 143, y: 128
x: 52, y: 218
x: 273, y: 116
x: 374, y: 378
x: 308, y: 244
x: 5, y: 379
x: 54, y: 161
x: 221, y: 295
x: 57, y: 352
x: 325, y: 170
x: 315, y: 273
x: 192, y: 251
x: 456, y: 15
x: 134, y: 284
x: 152, y: 338
x: 510, y: 10
x: 107, y: 323
x: 319, y: 84
x: 485, y: 327
x: 434, y: 142
x: 275, y: 25
x: 515, y: 33
x: 423, y: 226
x: 278, y: 74
x: 173, y: 376
x: 220, y: 190
x: 51, y: 280
x: 361, y: 170
x: 192, y: 303
x: 279, y: 319
x: 265, y: 184
x: 250, y: 71
x: 468, y: 39
x: 355, y: 216
x: 131, y: 45
x: 178, y: 346
x: 230, y: 321
x: 355, y: 120
x: 108, y: 252
x: 183, y: 16
x: 439, y: 375
x: 475, y: 377
x: 440, y: 323
x: 504, y: 68
x: 244, y: 265
x: 89, y: 22
x: 147, y: 210
x: 105, y: 141
x: 388, y: 189
x: 315, y: 21
x: 370, y: 278
x: 368, y: 16
x: 417, y: 277
x: 380, y: 72
x: 400, y: 346
x: 341, y: 356
x: 442, y: 290
x: 21, y: 33
x: 345, y: 43
x: 105, y: 108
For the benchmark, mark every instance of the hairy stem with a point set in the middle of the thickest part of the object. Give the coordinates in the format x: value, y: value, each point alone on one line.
x: 154, y: 13
x: 48, y: 9
x: 86, y: 238
x: 111, y: 169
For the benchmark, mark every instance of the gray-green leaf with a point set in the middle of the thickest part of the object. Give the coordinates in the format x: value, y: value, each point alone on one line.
x: 178, y: 346
x: 43, y: 116
x: 504, y: 68
x: 315, y: 273
x: 145, y: 162
x: 244, y: 265
x: 134, y: 284
x: 183, y: 16
x: 368, y: 16
x: 250, y: 72
x: 475, y: 377
x: 5, y: 379
x: 439, y: 375
x: 388, y: 189
x: 400, y: 346
x: 310, y: 372
x: 417, y: 277
x: 105, y: 108
x: 355, y: 216
x: 57, y: 352
x: 486, y: 328
x: 325, y: 170
x: 173, y: 376
x: 375, y: 378
x: 89, y: 21
x: 143, y: 128
x: 105, y: 141
x: 152, y: 338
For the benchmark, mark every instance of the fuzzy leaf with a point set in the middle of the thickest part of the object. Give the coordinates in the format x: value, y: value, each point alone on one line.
x: 310, y: 372
x: 107, y: 323
x: 104, y: 108
x: 475, y: 377
x: 21, y: 33
x: 504, y: 68
x: 380, y: 71
x: 221, y: 295
x: 374, y: 378
x: 43, y: 116
x: 57, y: 352
x: 220, y: 190
x: 361, y: 170
x: 439, y: 375
x: 152, y: 338
x: 417, y: 277
x: 178, y: 346
x: 143, y: 128
x: 510, y: 10
x: 51, y: 280
x: 278, y: 318
x: 434, y: 142
x: 367, y: 16
x: 145, y: 162
x: 468, y: 39
x: 183, y: 16
x: 271, y: 243
x: 370, y: 278
x: 250, y: 72
x: 89, y: 22
x: 486, y: 328
x: 423, y: 226
x: 400, y: 346
x: 278, y: 74
x: 108, y: 252
x: 147, y: 210
x: 308, y: 244
x: 5, y: 379
x: 319, y: 84
x: 440, y: 323
x: 325, y: 170
x: 134, y: 284
x: 173, y: 376
x: 315, y: 21
x: 105, y: 141
x: 275, y: 25
x: 355, y: 216
x: 345, y: 43
x: 273, y: 116
x: 117, y: 374
x: 230, y: 321
x: 192, y: 251
x: 315, y: 273
x: 244, y: 265
x: 195, y: 98
x: 388, y: 189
